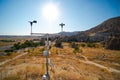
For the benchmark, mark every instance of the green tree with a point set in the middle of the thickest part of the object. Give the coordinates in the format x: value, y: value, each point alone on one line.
x: 16, y: 46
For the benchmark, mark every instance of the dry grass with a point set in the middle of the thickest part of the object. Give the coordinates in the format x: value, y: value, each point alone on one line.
x: 25, y: 71
x: 67, y: 65
x: 3, y: 58
x: 110, y: 58
x: 6, y: 43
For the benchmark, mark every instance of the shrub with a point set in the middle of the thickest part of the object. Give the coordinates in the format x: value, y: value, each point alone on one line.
x: 83, y: 45
x: 77, y: 50
x: 25, y: 44
x: 58, y: 44
x: 76, y: 47
x: 7, y: 40
x: 91, y: 45
x: 8, y: 53
x: 10, y: 50
x: 113, y: 43
x: 16, y: 46
x: 42, y: 42
x: 73, y: 45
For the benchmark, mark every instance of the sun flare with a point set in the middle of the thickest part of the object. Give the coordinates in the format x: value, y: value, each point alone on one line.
x: 50, y: 11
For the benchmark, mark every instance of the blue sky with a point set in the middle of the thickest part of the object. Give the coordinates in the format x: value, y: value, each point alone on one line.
x: 78, y: 15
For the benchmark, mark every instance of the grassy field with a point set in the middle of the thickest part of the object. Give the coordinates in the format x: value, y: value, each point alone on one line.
x: 89, y: 63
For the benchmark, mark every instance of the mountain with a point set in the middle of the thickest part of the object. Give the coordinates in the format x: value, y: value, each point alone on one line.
x: 98, y: 33
x: 109, y: 26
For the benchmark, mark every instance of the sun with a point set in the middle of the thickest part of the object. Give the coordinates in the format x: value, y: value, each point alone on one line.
x: 50, y: 11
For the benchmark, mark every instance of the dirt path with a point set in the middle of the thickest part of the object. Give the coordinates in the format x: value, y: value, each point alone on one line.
x: 101, y: 66
x: 6, y: 61
x: 86, y: 61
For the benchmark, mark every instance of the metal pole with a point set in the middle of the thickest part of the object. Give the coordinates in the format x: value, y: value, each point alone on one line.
x: 31, y: 30
x: 61, y: 28
x: 31, y: 23
x: 31, y: 26
x: 47, y: 58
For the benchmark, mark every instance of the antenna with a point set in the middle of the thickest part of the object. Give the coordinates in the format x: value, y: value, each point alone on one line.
x: 61, y: 26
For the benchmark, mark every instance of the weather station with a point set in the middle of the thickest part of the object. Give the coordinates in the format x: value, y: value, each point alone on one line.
x: 50, y: 13
x: 46, y: 76
x: 46, y: 52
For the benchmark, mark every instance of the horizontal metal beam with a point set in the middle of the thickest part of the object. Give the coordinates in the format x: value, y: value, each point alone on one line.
x: 40, y: 34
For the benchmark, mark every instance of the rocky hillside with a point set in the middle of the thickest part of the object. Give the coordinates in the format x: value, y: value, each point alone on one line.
x: 109, y: 26
x: 98, y: 33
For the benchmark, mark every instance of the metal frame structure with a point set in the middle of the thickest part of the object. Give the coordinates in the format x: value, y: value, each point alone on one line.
x: 46, y: 52
x: 47, y: 45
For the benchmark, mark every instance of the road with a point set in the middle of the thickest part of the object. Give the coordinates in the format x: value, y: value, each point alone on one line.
x: 5, y: 47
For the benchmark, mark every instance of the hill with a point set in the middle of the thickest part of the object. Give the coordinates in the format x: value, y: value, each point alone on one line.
x: 98, y: 33
x: 110, y: 26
